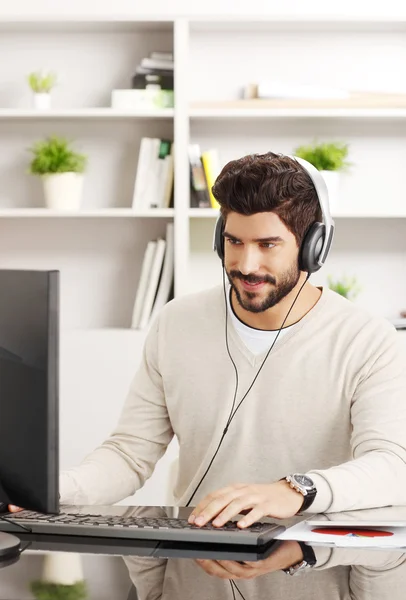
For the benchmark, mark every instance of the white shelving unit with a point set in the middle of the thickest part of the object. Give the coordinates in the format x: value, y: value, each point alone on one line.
x: 110, y: 213
x: 84, y: 113
x: 99, y: 249
x: 229, y: 54
x: 214, y: 59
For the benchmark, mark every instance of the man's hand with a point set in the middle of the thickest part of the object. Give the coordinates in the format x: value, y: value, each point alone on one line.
x: 277, y: 500
x: 286, y: 555
x: 13, y: 508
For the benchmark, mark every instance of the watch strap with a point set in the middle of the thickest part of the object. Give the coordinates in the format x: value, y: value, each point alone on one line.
x: 308, y: 499
x: 308, y: 562
x: 308, y: 554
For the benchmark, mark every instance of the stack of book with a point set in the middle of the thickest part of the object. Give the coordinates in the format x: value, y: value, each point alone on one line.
x: 155, y: 286
x: 155, y: 70
x: 152, y: 85
x: 154, y: 74
x: 154, y: 178
x: 204, y: 169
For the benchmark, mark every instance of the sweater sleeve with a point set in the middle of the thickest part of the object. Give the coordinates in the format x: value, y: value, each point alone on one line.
x: 122, y: 464
x: 376, y: 475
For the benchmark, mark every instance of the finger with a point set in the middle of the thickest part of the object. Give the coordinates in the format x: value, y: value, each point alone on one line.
x: 207, y: 500
x: 257, y: 513
x: 215, y: 569
x: 238, y: 570
x: 12, y: 508
x: 216, y: 505
x: 235, y: 507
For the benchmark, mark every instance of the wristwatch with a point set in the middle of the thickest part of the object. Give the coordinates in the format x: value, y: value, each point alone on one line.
x: 308, y: 562
x: 305, y: 486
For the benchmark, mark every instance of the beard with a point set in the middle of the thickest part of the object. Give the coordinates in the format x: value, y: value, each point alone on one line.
x: 249, y: 300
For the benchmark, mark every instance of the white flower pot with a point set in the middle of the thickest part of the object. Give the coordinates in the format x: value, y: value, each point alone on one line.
x: 42, y: 101
x: 332, y: 179
x: 63, y: 568
x: 63, y: 191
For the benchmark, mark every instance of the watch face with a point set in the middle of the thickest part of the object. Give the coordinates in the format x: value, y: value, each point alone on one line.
x: 303, y: 480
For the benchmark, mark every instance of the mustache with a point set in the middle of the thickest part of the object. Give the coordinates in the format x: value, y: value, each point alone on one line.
x: 250, y: 278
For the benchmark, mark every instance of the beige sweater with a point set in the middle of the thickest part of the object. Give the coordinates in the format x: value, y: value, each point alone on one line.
x: 373, y: 575
x: 330, y: 401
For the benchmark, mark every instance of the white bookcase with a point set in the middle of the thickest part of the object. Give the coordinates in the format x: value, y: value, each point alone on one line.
x: 99, y: 250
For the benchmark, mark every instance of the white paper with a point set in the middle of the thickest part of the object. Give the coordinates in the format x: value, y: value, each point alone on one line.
x: 303, y: 532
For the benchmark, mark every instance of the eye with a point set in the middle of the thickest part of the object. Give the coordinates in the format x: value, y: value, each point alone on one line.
x: 267, y: 245
x: 233, y: 242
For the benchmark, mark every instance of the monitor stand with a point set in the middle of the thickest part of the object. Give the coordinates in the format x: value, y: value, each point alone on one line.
x: 9, y: 549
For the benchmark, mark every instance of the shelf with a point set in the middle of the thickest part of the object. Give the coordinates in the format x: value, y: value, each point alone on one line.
x: 212, y: 213
x: 359, y: 105
x: 84, y: 113
x: 96, y: 213
x: 122, y: 24
x: 298, y: 22
x: 297, y: 113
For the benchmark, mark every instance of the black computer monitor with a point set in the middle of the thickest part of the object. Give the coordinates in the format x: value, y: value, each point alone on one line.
x: 29, y: 365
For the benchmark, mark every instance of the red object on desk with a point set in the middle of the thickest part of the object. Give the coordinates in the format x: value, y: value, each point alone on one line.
x: 352, y: 532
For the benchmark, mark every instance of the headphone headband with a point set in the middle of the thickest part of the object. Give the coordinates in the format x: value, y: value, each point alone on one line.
x: 322, y: 195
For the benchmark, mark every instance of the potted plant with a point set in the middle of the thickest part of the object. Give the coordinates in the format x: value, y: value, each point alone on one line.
x: 41, y: 84
x: 329, y: 158
x: 61, y: 170
x: 62, y: 578
x: 346, y: 286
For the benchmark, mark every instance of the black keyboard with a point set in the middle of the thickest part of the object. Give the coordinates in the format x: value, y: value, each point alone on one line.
x: 141, y: 528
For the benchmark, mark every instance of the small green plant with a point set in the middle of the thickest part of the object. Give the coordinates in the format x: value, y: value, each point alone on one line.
x: 54, y: 155
x: 346, y: 286
x: 43, y: 590
x: 42, y: 83
x: 328, y: 156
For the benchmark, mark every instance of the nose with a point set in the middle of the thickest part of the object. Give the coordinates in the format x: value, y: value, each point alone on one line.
x: 249, y: 261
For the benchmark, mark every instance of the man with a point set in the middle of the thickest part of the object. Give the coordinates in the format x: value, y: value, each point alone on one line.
x: 328, y: 401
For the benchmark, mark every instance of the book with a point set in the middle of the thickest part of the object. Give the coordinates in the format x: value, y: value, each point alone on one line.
x: 153, y: 63
x: 153, y: 281
x: 143, y: 168
x: 199, y: 193
x: 211, y: 165
x: 166, y: 281
x: 162, y: 55
x: 154, y: 177
x: 149, y: 79
x: 168, y: 177
x: 143, y: 282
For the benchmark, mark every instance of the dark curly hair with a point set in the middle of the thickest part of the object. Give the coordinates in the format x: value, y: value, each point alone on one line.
x: 269, y: 183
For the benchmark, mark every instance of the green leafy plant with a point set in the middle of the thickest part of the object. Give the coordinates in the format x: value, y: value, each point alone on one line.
x: 346, y: 286
x: 54, y: 155
x: 328, y: 156
x: 42, y: 83
x: 43, y: 590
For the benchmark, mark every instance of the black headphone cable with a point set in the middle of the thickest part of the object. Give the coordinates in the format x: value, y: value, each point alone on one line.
x: 233, y: 412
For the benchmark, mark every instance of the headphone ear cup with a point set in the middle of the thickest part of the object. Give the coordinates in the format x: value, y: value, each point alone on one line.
x: 219, y: 238
x: 311, y: 248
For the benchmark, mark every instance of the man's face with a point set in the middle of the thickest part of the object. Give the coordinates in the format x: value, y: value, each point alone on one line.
x: 261, y: 259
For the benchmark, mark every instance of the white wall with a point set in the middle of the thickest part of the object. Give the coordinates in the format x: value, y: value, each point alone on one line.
x: 373, y: 249
x: 209, y: 7
x: 96, y: 373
